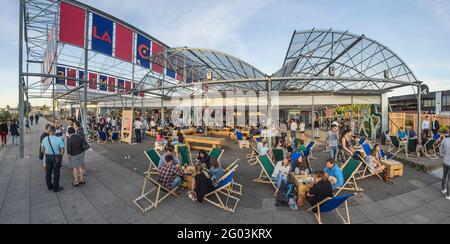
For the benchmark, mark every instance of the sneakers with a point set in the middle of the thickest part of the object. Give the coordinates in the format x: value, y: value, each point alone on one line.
x: 448, y: 197
x: 444, y: 191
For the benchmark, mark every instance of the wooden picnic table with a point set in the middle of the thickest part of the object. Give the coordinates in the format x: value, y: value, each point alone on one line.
x: 212, y: 142
x: 219, y: 133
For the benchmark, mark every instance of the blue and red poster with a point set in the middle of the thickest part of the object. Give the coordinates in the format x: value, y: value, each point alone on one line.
x: 102, y: 35
x: 61, y: 72
x: 158, y: 64
x: 143, y: 45
x: 121, y: 86
x: 81, y: 76
x: 127, y: 86
x: 103, y: 80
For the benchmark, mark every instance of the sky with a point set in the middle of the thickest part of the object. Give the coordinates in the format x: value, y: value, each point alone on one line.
x: 259, y: 31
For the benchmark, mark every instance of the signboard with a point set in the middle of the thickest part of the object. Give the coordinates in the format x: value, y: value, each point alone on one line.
x: 127, y: 126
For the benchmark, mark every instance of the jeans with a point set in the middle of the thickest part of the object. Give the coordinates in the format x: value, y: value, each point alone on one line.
x: 177, y: 182
x: 144, y: 133
x: 138, y: 135
x: 53, y: 168
x: 280, y: 180
x: 293, y: 133
x: 333, y: 151
x: 316, y: 133
x: 15, y: 140
x: 445, y: 180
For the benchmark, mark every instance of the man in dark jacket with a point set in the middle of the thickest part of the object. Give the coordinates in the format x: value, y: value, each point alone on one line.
x: 435, y: 126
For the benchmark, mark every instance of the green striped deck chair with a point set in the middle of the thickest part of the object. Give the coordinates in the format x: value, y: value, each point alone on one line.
x: 349, y: 170
x: 397, y: 143
x: 296, y: 142
x: 267, y: 168
x: 216, y: 153
x: 412, y: 148
x: 429, y: 149
x: 278, y: 154
x: 154, y: 158
x: 184, y: 154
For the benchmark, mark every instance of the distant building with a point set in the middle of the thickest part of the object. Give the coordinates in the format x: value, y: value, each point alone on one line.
x: 435, y: 103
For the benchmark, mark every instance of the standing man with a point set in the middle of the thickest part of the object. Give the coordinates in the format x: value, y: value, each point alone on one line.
x: 53, y: 147
x: 138, y: 130
x: 31, y: 119
x: 426, y: 129
x: 43, y: 136
x: 333, y: 142
x: 435, y: 126
x: 317, y: 128
x: 294, y: 127
x: 445, y: 152
x: 144, y: 127
x: 36, y: 118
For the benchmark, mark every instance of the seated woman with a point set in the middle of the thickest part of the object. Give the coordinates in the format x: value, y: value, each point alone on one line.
x: 375, y: 163
x: 301, y: 146
x: 203, y: 158
x: 280, y: 174
x: 216, y: 172
x: 334, y: 174
x: 168, y: 151
x: 160, y: 138
x: 201, y: 184
x: 402, y: 134
x: 320, y: 190
x: 180, y: 137
x: 303, y: 166
x: 265, y: 150
x: 412, y: 134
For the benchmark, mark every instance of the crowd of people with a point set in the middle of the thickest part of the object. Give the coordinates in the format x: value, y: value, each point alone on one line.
x: 12, y: 128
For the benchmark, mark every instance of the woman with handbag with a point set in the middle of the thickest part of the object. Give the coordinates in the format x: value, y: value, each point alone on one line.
x: 76, y: 157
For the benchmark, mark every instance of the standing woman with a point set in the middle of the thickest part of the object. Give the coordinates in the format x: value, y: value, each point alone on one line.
x: 4, y: 132
x: 346, y: 150
x: 14, y: 130
x: 27, y: 125
x: 76, y: 157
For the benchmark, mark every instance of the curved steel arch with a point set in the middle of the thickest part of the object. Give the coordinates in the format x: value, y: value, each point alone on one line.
x: 312, y: 53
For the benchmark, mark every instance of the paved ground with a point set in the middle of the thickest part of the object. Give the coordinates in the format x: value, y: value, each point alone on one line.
x: 114, y: 182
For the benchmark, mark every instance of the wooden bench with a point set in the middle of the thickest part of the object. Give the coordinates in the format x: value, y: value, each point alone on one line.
x: 211, y: 142
x: 219, y: 133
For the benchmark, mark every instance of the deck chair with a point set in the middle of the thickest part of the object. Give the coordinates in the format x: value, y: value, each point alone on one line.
x: 386, y: 155
x: 235, y: 187
x: 349, y: 170
x: 397, y: 143
x: 154, y: 158
x: 115, y: 137
x: 221, y: 196
x: 216, y: 153
x: 430, y: 147
x: 362, y: 141
x: 184, y: 154
x: 239, y: 136
x: 253, y: 156
x: 308, y: 151
x: 160, y: 191
x: 278, y: 154
x: 296, y: 142
x: 368, y: 171
x: 160, y: 147
x: 102, y: 137
x: 267, y: 168
x: 412, y: 148
x: 332, y: 204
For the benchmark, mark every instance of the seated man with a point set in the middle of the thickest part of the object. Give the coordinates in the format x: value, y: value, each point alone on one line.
x: 216, y: 172
x: 334, y: 174
x: 412, y: 134
x: 402, y: 134
x: 320, y: 190
x: 170, y: 175
x: 204, y: 159
x: 169, y: 151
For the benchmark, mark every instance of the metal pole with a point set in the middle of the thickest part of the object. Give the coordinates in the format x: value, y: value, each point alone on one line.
x: 269, y: 109
x: 86, y: 76
x: 162, y: 114
x: 53, y: 102
x: 21, y: 95
x: 312, y: 119
x: 419, y: 112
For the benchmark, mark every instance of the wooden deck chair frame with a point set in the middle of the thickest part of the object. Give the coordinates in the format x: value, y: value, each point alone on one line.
x: 351, y: 183
x: 159, y: 146
x: 100, y: 141
x: 401, y: 145
x: 318, y: 215
x: 264, y: 176
x: 220, y: 155
x: 408, y: 147
x: 252, y: 158
x: 153, y: 203
x: 223, y: 191
x: 235, y: 187
x: 112, y: 137
x: 180, y: 156
x: 426, y: 149
x: 366, y: 173
x: 153, y: 167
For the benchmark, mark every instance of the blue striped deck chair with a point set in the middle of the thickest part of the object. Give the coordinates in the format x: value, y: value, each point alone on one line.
x: 267, y: 168
x: 239, y: 136
x: 386, y: 155
x: 221, y: 196
x: 368, y: 171
x: 115, y: 137
x: 349, y: 170
x: 362, y: 141
x: 235, y: 187
x: 332, y: 204
x: 102, y: 137
x: 154, y: 157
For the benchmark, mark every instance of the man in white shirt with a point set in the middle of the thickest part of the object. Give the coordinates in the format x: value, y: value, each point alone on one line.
x: 294, y: 128
x: 426, y: 128
x: 138, y: 130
